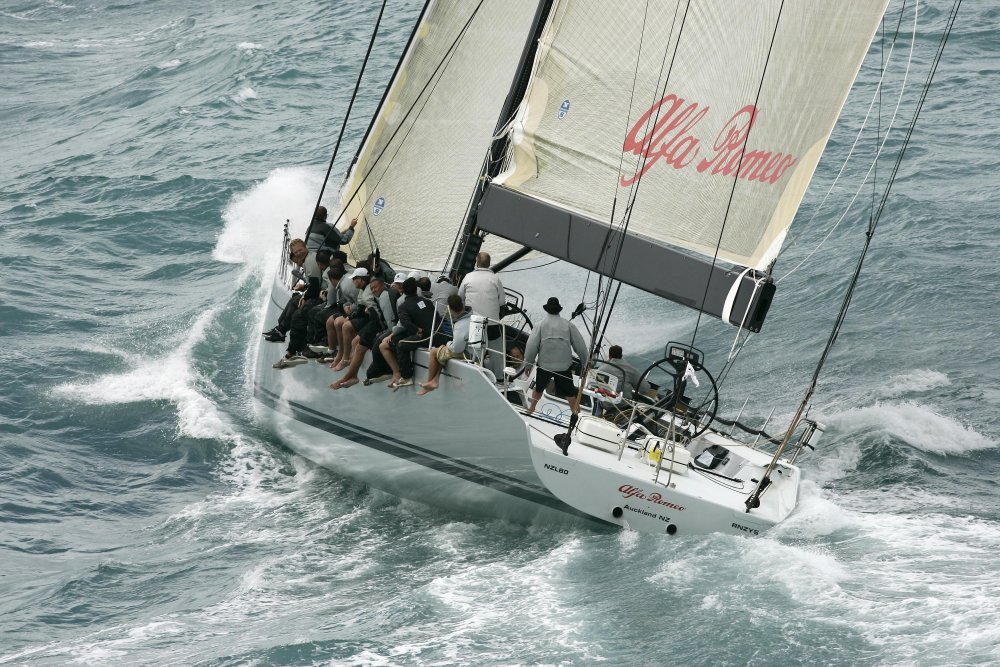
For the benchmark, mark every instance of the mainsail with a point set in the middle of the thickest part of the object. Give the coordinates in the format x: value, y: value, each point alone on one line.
x: 694, y: 127
x: 414, y: 174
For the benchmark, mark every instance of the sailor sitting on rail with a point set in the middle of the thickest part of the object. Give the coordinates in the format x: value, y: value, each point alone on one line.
x: 310, y: 275
x: 353, y: 310
x: 416, y: 319
x: 376, y: 318
x: 460, y: 317
x: 325, y: 309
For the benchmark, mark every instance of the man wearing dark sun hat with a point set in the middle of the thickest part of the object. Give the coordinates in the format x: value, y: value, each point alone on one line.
x: 552, y: 342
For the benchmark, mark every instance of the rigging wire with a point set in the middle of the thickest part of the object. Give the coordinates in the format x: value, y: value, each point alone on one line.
x: 447, y: 57
x: 531, y: 268
x: 878, y: 127
x: 736, y: 174
x: 878, y: 153
x: 884, y: 60
x: 603, y: 292
x: 343, y: 126
x: 876, y: 96
x: 603, y: 317
x: 753, y: 500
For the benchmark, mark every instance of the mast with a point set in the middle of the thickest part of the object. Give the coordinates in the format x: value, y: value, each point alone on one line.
x: 470, y: 240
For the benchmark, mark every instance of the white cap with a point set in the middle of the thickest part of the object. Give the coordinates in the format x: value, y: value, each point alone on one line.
x: 400, y: 277
x: 360, y: 272
x: 414, y: 274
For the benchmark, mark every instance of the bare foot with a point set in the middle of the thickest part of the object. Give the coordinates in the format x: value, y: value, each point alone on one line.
x: 340, y: 365
x: 426, y: 389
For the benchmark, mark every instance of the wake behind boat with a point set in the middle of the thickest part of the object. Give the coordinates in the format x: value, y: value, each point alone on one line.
x: 663, y: 145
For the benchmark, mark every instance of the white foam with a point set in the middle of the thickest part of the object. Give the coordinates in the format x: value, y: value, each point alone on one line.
x: 834, y: 462
x: 917, y: 425
x: 487, y: 594
x: 248, y: 47
x: 915, y: 381
x: 245, y: 93
x: 170, y: 378
x: 170, y: 64
x: 254, y: 220
x: 816, y: 515
x: 97, y: 655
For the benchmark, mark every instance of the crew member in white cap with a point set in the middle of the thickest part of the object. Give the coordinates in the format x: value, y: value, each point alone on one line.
x: 342, y: 325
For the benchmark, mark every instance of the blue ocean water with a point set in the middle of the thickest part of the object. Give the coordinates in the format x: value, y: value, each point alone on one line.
x: 151, y: 153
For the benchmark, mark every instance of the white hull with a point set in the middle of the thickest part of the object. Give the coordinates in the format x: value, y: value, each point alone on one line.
x: 682, y: 498
x: 462, y: 447
x: 465, y: 447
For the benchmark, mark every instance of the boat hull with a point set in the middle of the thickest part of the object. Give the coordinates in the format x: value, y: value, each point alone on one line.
x: 461, y: 447
x: 637, y: 492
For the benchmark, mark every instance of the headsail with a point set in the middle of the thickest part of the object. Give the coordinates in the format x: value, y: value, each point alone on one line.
x: 678, y: 99
x: 413, y: 176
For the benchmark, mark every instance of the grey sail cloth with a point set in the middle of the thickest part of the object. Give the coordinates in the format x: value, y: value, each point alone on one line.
x: 483, y: 292
x: 553, y: 342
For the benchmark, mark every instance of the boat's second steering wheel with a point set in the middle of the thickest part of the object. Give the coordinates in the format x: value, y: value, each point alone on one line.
x: 677, y: 393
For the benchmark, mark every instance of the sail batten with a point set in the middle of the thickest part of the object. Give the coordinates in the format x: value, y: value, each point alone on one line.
x: 692, y: 103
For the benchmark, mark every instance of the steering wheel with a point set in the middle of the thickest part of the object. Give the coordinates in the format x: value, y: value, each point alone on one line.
x: 677, y: 393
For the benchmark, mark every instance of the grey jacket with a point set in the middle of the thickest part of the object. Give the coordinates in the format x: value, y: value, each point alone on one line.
x: 440, y: 291
x: 618, y: 367
x: 483, y: 292
x: 553, y: 342
x: 346, y: 291
x: 460, y: 332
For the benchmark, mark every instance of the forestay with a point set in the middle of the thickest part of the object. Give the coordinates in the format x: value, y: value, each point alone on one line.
x: 663, y: 96
x: 417, y: 168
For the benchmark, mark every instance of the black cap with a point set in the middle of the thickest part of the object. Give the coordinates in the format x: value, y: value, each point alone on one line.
x: 552, y: 305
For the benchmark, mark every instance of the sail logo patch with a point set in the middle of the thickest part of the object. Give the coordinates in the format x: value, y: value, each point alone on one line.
x: 379, y: 206
x: 563, y: 109
x: 678, y: 138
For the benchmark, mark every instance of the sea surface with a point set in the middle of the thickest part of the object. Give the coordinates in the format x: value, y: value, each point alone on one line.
x: 150, y: 153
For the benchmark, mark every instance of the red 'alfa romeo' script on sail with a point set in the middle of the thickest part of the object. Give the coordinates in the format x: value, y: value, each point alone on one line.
x: 672, y: 139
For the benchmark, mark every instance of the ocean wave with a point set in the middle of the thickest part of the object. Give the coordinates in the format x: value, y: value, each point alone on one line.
x: 171, y: 378
x: 245, y: 93
x: 253, y: 220
x: 916, y: 381
x: 917, y: 425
